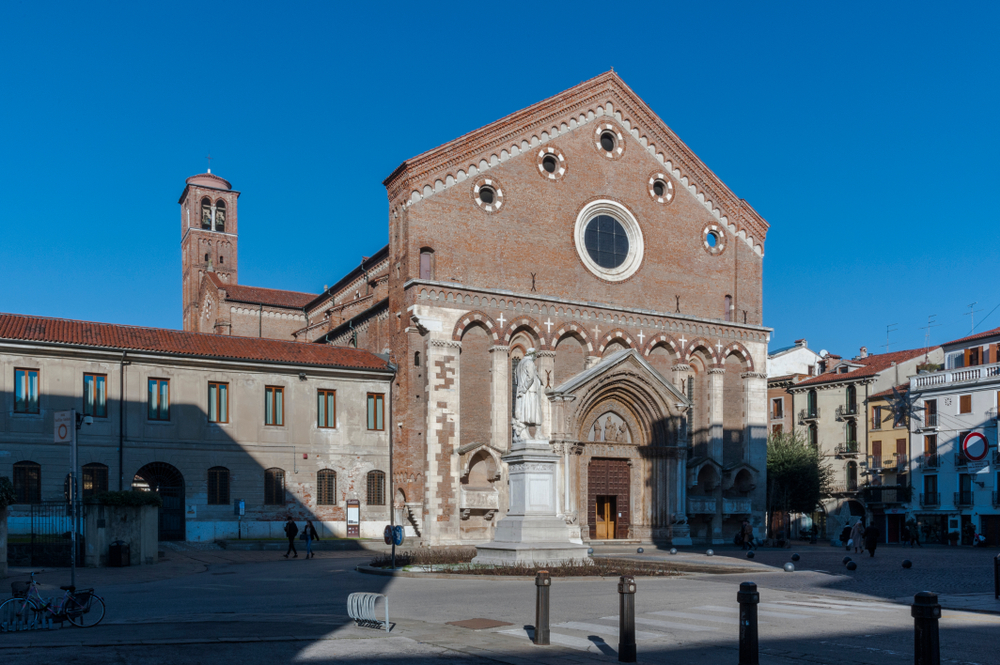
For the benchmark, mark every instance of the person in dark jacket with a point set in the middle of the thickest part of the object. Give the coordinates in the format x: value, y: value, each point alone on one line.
x: 871, y: 539
x: 310, y: 533
x: 291, y: 531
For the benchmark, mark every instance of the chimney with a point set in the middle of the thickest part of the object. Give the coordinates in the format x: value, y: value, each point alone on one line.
x: 801, y: 342
x: 864, y: 352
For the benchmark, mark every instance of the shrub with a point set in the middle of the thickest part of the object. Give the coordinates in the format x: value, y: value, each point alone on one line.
x: 133, y: 498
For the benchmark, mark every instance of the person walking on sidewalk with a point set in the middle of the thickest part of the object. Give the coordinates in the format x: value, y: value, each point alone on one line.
x: 857, y: 537
x: 290, y: 532
x: 747, y: 532
x: 871, y: 539
x: 309, y: 531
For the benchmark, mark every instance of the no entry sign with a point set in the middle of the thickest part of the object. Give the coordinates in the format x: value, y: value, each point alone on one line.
x: 975, y: 446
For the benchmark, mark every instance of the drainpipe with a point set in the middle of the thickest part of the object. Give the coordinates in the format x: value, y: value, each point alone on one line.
x: 121, y: 421
x: 260, y: 322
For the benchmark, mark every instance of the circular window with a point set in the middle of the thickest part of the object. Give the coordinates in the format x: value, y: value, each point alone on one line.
x: 488, y: 194
x: 609, y: 240
x: 713, y: 239
x: 609, y: 140
x: 661, y: 188
x: 551, y: 163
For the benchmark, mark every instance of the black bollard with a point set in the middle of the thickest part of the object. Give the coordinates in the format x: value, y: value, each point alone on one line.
x: 748, y: 599
x: 926, y: 641
x: 626, y: 619
x: 542, y: 585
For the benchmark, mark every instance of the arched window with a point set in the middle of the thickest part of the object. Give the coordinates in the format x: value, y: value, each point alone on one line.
x: 852, y: 399
x: 274, y: 487
x: 95, y: 479
x: 376, y: 488
x: 416, y: 359
x: 220, y: 215
x: 27, y: 482
x: 728, y: 311
x: 206, y: 214
x: 218, y: 486
x: 811, y: 409
x: 426, y: 263
x: 814, y: 435
x: 852, y: 476
x: 206, y: 258
x: 852, y: 436
x: 326, y: 487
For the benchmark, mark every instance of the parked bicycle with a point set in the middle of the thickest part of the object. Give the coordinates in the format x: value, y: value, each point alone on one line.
x: 27, y: 610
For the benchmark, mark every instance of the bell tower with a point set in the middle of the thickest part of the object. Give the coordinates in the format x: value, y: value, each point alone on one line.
x: 208, y: 238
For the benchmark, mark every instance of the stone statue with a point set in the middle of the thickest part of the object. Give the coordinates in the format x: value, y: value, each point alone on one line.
x: 528, y: 405
x: 622, y: 433
x: 610, y: 431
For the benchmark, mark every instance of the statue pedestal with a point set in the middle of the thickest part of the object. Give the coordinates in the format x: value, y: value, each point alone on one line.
x: 680, y: 534
x: 531, y: 533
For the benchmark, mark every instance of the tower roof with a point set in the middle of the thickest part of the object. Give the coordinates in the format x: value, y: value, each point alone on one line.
x: 209, y: 179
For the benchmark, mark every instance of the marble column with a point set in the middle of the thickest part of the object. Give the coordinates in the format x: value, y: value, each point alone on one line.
x: 680, y: 531
x: 500, y: 394
x: 716, y: 376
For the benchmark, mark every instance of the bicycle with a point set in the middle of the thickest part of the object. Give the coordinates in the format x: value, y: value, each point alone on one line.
x: 27, y: 609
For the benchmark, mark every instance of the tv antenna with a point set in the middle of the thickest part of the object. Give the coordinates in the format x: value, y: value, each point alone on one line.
x: 972, y: 316
x: 931, y: 323
x: 891, y: 328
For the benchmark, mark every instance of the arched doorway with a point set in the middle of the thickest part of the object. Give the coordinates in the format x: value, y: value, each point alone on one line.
x: 168, y: 482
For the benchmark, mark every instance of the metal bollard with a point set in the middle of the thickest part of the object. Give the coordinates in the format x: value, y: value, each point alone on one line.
x: 748, y: 599
x: 542, y: 585
x: 926, y: 641
x: 996, y: 576
x: 626, y: 619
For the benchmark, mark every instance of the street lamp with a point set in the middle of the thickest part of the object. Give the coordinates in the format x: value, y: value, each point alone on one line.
x: 74, y: 497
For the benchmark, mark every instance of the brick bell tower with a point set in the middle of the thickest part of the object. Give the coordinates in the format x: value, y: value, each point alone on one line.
x: 208, y: 238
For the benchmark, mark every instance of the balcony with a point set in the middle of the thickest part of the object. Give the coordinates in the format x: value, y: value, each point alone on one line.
x: 849, y: 488
x: 955, y: 376
x: 930, y: 499
x: 892, y: 462
x: 847, y: 448
x: 961, y: 460
x: 886, y: 494
x: 929, y: 461
x: 991, y: 414
x: 963, y: 499
x: 736, y: 506
x: 809, y: 414
x: 847, y: 411
x: 702, y: 505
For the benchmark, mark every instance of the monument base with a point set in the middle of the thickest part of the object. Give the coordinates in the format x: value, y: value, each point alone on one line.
x: 530, y: 554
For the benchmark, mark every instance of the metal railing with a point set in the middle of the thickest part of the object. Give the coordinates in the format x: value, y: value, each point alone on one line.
x: 963, y: 498
x: 930, y: 499
x: 961, y: 459
x: 886, y: 494
x: 959, y: 375
x: 887, y: 463
x: 847, y: 448
x: 929, y: 461
x: 846, y: 410
x: 809, y: 414
x: 849, y: 486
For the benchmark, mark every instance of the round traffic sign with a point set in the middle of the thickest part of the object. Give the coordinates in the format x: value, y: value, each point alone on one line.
x: 63, y: 431
x: 975, y: 446
x: 387, y: 534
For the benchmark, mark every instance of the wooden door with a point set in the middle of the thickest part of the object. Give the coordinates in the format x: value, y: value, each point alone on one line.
x: 609, y: 478
x: 991, y: 529
x: 605, y: 517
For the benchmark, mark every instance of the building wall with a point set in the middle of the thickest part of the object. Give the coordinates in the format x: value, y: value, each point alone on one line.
x: 190, y: 443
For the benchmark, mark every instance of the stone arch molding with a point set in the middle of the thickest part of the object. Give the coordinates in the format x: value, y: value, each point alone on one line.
x: 664, y: 340
x: 741, y: 352
x: 475, y: 318
x: 573, y: 329
x: 701, y: 343
x: 616, y: 335
x: 529, y: 324
x: 613, y: 103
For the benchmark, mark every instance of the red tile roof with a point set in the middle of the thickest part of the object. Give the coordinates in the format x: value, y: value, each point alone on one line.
x: 260, y: 296
x: 872, y: 365
x: 901, y: 389
x: 177, y: 342
x: 972, y: 338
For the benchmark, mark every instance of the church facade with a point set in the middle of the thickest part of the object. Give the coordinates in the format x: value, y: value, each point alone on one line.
x: 583, y: 231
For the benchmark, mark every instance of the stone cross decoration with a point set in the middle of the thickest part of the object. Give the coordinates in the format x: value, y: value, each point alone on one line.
x: 527, y: 405
x: 501, y: 320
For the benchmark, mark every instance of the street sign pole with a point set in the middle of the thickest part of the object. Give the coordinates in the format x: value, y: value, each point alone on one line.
x: 64, y: 431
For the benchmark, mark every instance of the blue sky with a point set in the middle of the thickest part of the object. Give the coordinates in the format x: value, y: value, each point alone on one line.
x: 865, y: 133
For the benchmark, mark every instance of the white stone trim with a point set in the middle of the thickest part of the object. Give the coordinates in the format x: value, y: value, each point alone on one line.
x: 636, y: 246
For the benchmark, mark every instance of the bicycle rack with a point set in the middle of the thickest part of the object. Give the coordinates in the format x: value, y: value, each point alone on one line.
x: 361, y: 608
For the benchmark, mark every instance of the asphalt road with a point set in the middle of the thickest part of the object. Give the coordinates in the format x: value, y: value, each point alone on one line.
x: 278, y: 611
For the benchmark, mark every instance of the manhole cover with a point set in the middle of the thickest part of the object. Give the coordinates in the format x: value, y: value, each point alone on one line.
x: 479, y: 624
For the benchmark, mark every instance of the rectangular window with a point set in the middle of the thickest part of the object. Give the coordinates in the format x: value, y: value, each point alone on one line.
x: 25, y: 391
x: 326, y: 488
x: 930, y: 487
x: 777, y: 408
x: 159, y: 399
x: 218, y: 486
x: 95, y: 395
x: 376, y: 488
x: 326, y: 408
x: 274, y: 405
x: 425, y: 265
x: 965, y: 404
x: 95, y: 479
x: 930, y: 412
x: 900, y: 447
x: 27, y: 482
x: 274, y: 487
x: 876, y: 449
x: 218, y: 403
x: 876, y: 417
x: 376, y: 404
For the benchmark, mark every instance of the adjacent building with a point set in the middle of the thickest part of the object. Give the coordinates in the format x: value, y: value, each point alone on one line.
x: 290, y: 429
x: 956, y: 486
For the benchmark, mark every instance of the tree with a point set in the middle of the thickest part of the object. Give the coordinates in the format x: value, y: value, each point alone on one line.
x: 796, y: 475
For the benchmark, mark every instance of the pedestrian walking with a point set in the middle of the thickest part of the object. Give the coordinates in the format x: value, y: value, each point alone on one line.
x: 309, y: 531
x: 871, y: 539
x: 857, y: 537
x: 914, y: 533
x: 845, y: 537
x: 290, y: 531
